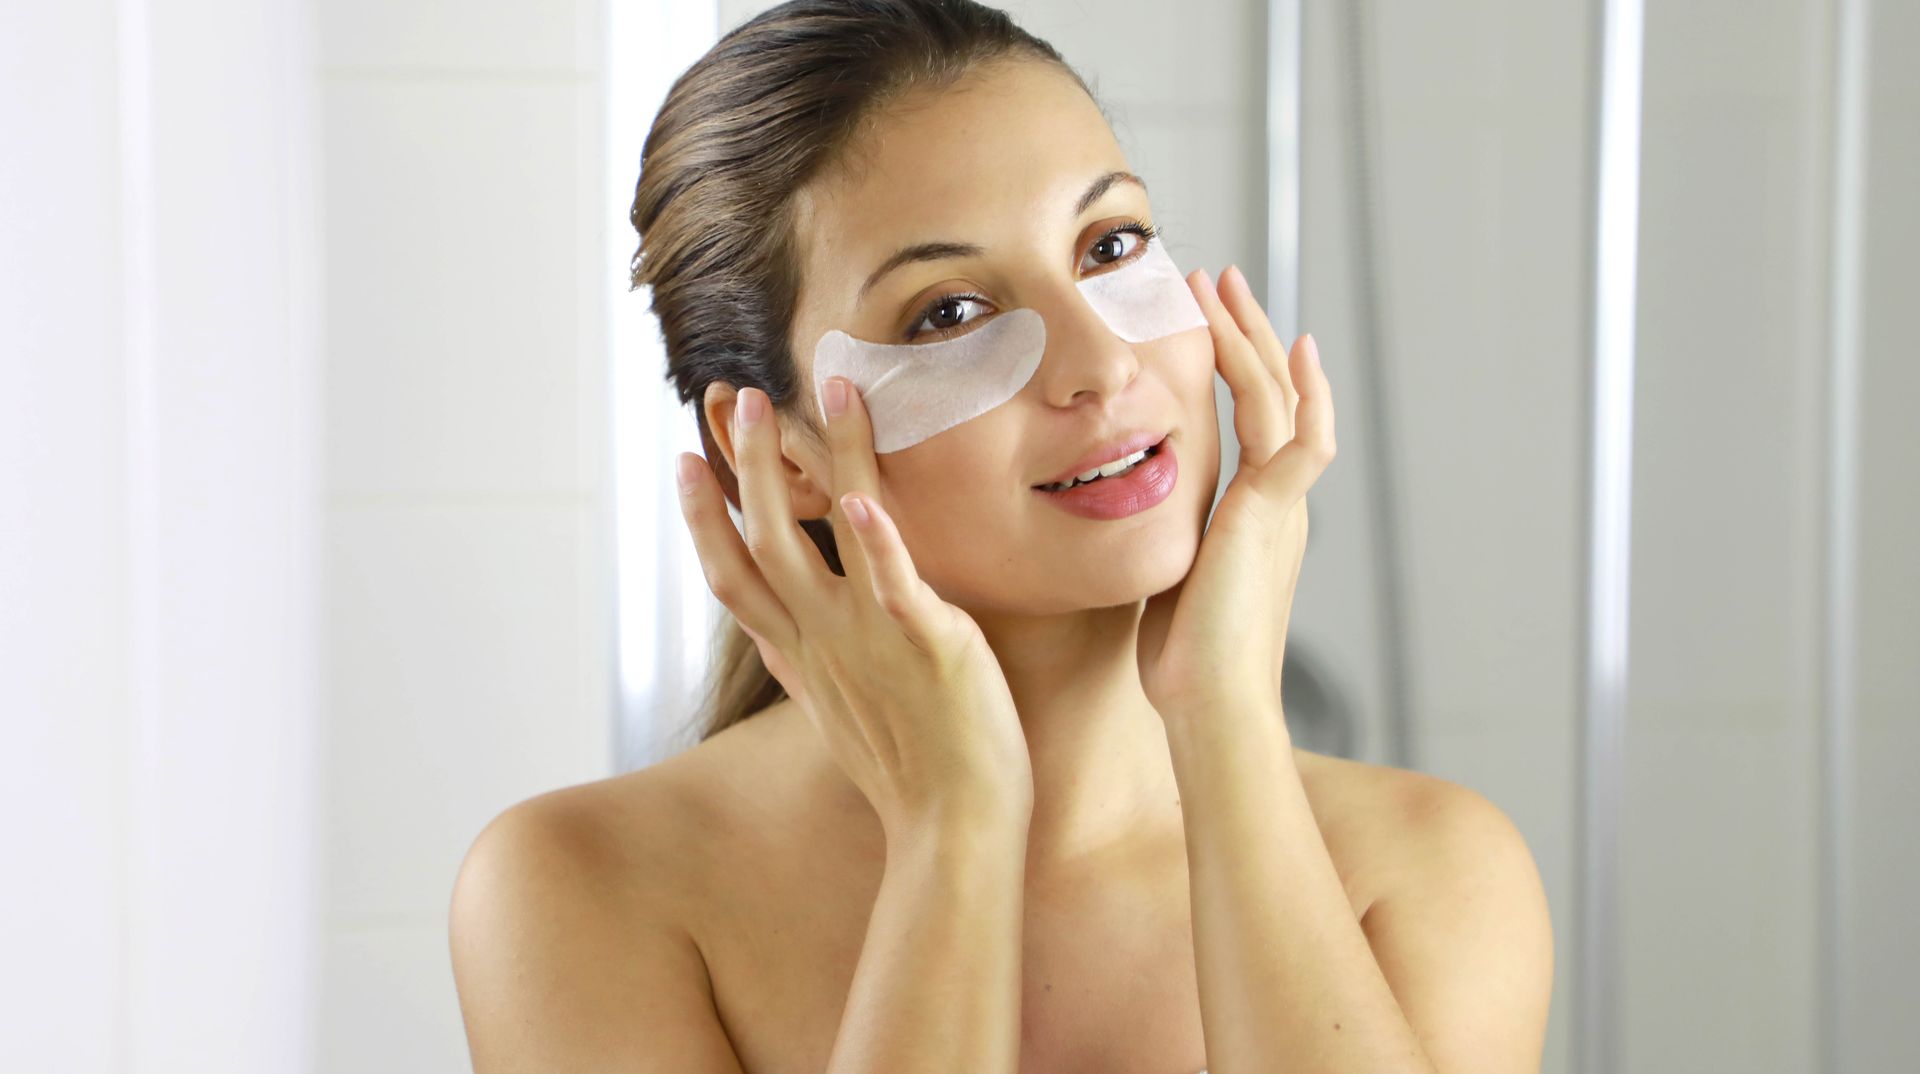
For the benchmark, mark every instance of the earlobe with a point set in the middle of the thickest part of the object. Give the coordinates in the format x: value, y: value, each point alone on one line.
x: 808, y: 500
x: 811, y: 495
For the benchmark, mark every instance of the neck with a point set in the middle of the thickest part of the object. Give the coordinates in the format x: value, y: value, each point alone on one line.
x: 1101, y: 772
x: 1102, y: 777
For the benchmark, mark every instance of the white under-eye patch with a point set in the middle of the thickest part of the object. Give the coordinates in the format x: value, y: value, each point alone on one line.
x: 914, y: 390
x: 1147, y: 299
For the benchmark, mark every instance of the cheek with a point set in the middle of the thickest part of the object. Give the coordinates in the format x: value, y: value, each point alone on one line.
x: 957, y: 510
x: 1194, y: 360
x: 1198, y: 385
x: 956, y: 476
x: 1192, y: 378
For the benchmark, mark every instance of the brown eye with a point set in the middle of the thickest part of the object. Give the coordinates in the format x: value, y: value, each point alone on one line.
x: 941, y: 317
x: 935, y: 320
x: 1109, y: 248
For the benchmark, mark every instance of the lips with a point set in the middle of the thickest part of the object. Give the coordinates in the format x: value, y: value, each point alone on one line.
x: 1147, y: 484
x: 1107, y: 451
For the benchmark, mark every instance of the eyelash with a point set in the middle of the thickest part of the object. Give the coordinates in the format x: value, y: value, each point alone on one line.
x: 1147, y: 232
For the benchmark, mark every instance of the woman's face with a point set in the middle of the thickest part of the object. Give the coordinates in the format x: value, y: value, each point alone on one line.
x: 1001, y: 161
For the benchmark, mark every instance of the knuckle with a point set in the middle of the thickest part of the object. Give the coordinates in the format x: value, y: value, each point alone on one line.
x: 894, y: 603
x: 724, y: 588
x: 759, y: 543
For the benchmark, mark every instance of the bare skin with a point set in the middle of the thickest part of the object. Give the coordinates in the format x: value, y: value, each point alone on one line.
x: 778, y: 872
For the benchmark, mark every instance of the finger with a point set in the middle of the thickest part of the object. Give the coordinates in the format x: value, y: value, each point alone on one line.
x: 1256, y: 397
x: 773, y: 536
x: 779, y: 667
x: 840, y: 733
x: 850, y: 439
x: 898, y: 590
x: 1240, y: 301
x: 731, y: 573
x: 1305, y: 457
x: 1317, y: 427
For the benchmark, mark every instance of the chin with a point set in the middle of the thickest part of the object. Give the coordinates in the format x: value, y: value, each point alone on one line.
x: 1157, y: 567
x: 1150, y: 560
x: 1063, y: 582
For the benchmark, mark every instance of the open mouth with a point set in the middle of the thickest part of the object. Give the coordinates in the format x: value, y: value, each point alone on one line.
x: 1116, y: 468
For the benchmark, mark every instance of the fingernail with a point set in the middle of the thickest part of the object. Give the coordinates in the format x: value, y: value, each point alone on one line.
x: 1206, y: 280
x: 836, y: 396
x: 689, y: 470
x: 855, y: 510
x: 749, y: 405
x: 1233, y: 271
x: 1313, y: 350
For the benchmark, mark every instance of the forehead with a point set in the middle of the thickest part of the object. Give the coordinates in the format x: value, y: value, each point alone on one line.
x: 997, y: 159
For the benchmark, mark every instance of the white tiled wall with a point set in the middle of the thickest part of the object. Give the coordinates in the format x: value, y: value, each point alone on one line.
x: 467, y: 538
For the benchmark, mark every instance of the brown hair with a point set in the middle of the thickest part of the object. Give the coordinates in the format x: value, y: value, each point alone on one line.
x: 770, y: 105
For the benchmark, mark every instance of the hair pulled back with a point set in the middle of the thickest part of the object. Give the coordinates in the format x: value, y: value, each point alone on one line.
x: 771, y: 105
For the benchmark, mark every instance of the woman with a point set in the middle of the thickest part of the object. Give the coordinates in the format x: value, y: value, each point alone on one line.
x: 997, y: 779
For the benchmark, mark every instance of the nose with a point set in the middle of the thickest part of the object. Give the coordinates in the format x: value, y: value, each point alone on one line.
x: 1083, y: 355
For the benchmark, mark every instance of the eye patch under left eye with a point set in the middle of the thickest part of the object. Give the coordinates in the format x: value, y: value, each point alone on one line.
x: 1145, y: 299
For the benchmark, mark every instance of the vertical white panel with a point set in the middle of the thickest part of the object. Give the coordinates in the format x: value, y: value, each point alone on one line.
x: 1285, y: 81
x: 224, y: 485
x: 157, y: 582
x: 63, y: 562
x: 1615, y: 252
x: 1839, y: 665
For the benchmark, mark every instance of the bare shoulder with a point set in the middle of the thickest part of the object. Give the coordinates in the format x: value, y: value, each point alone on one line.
x: 1459, y: 921
x: 1372, y: 794
x: 636, y: 843
x: 569, y: 937
x: 1386, y: 824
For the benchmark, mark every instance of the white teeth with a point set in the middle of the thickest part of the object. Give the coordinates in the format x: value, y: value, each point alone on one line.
x: 1118, y: 465
x: 1110, y: 469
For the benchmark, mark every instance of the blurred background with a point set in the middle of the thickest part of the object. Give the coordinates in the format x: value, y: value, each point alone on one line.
x: 337, y: 514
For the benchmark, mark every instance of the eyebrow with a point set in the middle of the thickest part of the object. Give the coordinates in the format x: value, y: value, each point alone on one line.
x: 940, y: 251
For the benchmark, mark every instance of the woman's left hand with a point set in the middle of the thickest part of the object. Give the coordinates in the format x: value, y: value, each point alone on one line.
x: 1219, y: 635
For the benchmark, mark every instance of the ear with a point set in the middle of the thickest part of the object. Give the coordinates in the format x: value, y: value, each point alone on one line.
x: 810, y: 498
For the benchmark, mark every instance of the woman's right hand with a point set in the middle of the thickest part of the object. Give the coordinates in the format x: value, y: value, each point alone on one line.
x: 901, y: 684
